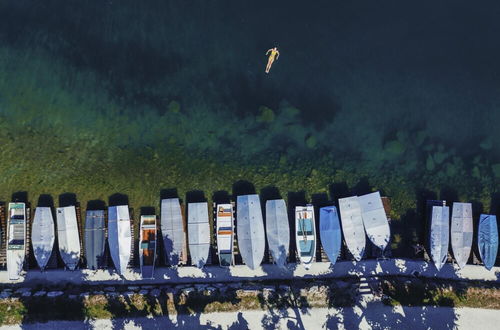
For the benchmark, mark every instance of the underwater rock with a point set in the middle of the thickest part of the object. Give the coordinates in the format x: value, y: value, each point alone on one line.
x: 283, y: 160
x: 420, y: 137
x: 394, y: 148
x: 496, y: 170
x: 266, y: 115
x: 311, y: 142
x: 476, y: 173
x: 429, y: 164
x: 439, y: 157
x: 174, y: 107
x: 450, y: 170
x: 486, y: 144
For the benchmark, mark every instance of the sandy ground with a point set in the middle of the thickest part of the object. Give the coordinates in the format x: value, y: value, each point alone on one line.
x: 375, y: 316
x: 265, y: 272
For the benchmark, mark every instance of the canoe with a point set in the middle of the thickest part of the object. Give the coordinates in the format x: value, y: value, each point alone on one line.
x: 68, y: 236
x: 16, y: 239
x: 198, y: 233
x: 278, y: 230
x: 43, y: 235
x: 488, y: 239
x: 374, y: 219
x: 225, y: 228
x: 147, y: 245
x: 172, y: 228
x: 461, y: 232
x: 329, y: 232
x: 352, y: 226
x: 119, y: 237
x: 439, y: 232
x: 305, y: 234
x: 250, y: 230
x: 95, y: 239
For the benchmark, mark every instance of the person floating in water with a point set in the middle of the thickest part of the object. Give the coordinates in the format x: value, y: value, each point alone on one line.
x: 274, y: 53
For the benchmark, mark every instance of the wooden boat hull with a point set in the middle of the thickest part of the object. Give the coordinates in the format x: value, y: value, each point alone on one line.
x: 119, y: 237
x: 278, y: 230
x: 95, y: 239
x: 329, y: 231
x: 43, y: 235
x: 68, y: 236
x: 250, y: 230
x: 147, y: 245
x: 225, y: 231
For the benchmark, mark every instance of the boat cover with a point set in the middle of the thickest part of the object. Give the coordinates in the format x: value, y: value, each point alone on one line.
x: 198, y: 233
x: 329, y: 231
x: 172, y: 228
x: 119, y: 237
x: 16, y: 239
x: 461, y: 232
x: 352, y: 226
x: 439, y: 238
x: 68, y: 236
x: 225, y: 229
x: 375, y: 219
x: 95, y: 238
x: 43, y: 235
x: 305, y: 234
x: 250, y: 230
x: 488, y: 239
x: 278, y: 230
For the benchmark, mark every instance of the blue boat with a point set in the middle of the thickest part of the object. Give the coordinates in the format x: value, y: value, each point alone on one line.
x: 329, y: 231
x: 487, y: 239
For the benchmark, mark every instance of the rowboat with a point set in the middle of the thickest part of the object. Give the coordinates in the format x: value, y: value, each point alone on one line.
x: 305, y: 234
x: 225, y: 225
x: 329, y: 232
x: 488, y: 239
x: 198, y: 233
x: 352, y: 226
x: 68, y: 236
x: 174, y: 235
x: 439, y: 232
x: 278, y: 230
x: 374, y: 219
x: 250, y: 230
x: 16, y: 239
x: 461, y: 232
x: 95, y: 239
x: 119, y: 237
x: 147, y: 245
x: 43, y: 236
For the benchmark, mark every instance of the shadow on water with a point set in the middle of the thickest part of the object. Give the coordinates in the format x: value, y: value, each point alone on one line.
x: 118, y: 199
x: 67, y: 199
x: 20, y: 196
x: 95, y: 205
x: 221, y: 197
x: 169, y: 193
x: 243, y: 187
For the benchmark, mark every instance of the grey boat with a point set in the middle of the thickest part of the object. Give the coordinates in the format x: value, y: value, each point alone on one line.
x: 43, y: 235
x: 278, y: 230
x: 250, y: 230
x: 95, y: 239
x: 198, y: 233
x: 172, y: 229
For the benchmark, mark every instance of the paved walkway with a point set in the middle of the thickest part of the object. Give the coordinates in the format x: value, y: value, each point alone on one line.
x: 320, y: 270
x: 372, y: 316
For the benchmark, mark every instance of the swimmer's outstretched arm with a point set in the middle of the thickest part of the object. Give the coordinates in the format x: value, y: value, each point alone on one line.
x: 269, y: 50
x: 277, y: 55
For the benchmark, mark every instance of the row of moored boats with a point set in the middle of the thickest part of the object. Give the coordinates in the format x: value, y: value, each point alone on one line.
x: 360, y: 217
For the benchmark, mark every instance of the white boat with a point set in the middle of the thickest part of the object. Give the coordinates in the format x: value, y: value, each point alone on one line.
x: 147, y: 245
x: 68, y: 236
x: 16, y: 239
x: 225, y: 228
x: 43, y: 235
x: 305, y: 230
x: 461, y: 232
x: 119, y: 237
x: 250, y: 230
x: 439, y: 232
x: 173, y: 232
x: 352, y: 226
x: 278, y: 230
x: 198, y: 233
x: 375, y: 219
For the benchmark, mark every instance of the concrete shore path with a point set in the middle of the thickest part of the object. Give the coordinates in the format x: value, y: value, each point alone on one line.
x: 213, y: 274
x: 374, y: 316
